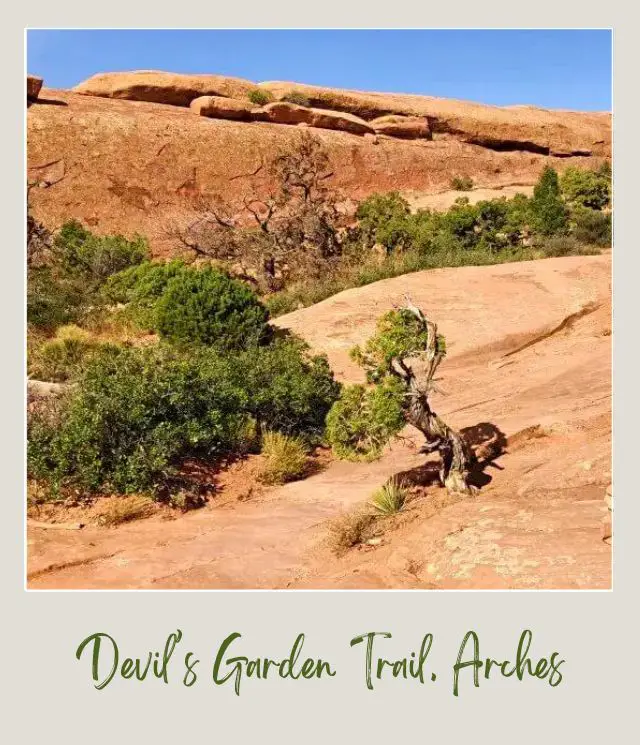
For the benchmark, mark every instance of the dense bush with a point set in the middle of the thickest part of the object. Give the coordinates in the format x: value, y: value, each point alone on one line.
x: 383, y: 219
x: 141, y: 287
x: 53, y: 300
x: 65, y: 288
x: 548, y: 211
x: 363, y: 420
x: 133, y: 416
x: 591, y: 227
x: 206, y: 306
x: 587, y: 188
x: 136, y: 412
x: 95, y: 258
x: 259, y: 97
x: 290, y: 390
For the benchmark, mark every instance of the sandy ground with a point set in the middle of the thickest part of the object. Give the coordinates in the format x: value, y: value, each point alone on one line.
x: 443, y: 200
x: 529, y: 367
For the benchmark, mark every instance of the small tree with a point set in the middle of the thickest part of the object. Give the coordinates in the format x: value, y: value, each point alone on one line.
x: 549, y: 215
x: 586, y: 188
x: 401, y: 361
x: 291, y: 231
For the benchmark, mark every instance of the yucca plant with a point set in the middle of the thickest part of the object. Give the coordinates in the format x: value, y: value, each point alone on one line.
x: 390, y: 498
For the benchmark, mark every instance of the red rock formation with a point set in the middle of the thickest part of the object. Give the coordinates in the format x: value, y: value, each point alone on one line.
x: 134, y: 166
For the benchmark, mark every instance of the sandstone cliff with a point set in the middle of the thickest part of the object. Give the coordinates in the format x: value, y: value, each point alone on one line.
x: 118, y: 163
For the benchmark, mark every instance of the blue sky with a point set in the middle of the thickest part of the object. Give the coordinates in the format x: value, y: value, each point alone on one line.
x: 555, y: 69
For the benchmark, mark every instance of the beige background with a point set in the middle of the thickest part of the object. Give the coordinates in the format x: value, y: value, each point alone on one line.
x: 49, y: 697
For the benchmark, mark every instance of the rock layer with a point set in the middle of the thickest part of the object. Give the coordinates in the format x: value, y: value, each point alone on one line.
x: 163, y: 87
x: 409, y: 127
x: 289, y: 113
x: 218, y: 107
x: 129, y: 166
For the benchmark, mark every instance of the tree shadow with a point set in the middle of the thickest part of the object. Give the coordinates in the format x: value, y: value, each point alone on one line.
x: 487, y: 443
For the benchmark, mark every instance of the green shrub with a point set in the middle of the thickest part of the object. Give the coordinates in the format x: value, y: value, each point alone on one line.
x: 285, y: 458
x: 133, y: 416
x: 560, y: 245
x: 548, y: 212
x: 587, y: 188
x: 141, y: 287
x: 259, y: 97
x: 67, y: 288
x: 462, y: 183
x: 94, y: 258
x: 390, y: 498
x: 363, y: 420
x: 289, y: 390
x: 206, y: 306
x: 384, y: 219
x: 591, y: 227
x: 297, y: 98
x: 53, y: 301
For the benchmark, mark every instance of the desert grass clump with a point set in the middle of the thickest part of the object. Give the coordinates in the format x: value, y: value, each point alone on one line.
x: 390, y: 498
x: 63, y: 357
x: 259, y: 97
x: 462, y: 183
x: 285, y: 458
x: 350, y: 530
x: 118, y: 510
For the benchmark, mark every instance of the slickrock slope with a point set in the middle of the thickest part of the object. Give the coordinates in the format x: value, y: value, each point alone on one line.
x: 529, y: 366
x: 137, y: 165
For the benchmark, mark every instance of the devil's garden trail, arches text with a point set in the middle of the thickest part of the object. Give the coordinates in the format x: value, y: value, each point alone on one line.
x: 230, y: 667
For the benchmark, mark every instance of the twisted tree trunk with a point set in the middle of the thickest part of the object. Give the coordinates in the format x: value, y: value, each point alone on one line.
x: 456, y: 456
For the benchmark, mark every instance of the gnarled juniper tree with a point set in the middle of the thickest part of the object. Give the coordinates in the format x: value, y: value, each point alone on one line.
x: 401, y: 360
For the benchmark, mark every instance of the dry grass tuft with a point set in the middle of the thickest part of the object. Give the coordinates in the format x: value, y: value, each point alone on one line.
x: 351, y: 529
x: 117, y: 510
x: 285, y: 458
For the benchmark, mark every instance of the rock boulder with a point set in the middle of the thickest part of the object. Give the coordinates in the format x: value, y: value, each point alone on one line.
x: 409, y: 127
x: 218, y: 107
x: 34, y: 84
x: 281, y: 112
x: 163, y: 87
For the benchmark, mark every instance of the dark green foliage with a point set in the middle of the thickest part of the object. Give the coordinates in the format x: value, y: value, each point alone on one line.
x: 259, y: 97
x: 133, y: 416
x: 95, y: 258
x: 289, y: 390
x: 548, y: 212
x: 137, y: 412
x: 586, y: 188
x: 297, y: 98
x: 363, y: 420
x: 206, y: 306
x: 591, y: 227
x: 62, y: 290
x: 399, y: 335
x: 53, y: 300
x: 384, y: 220
x: 462, y: 183
x: 141, y: 287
